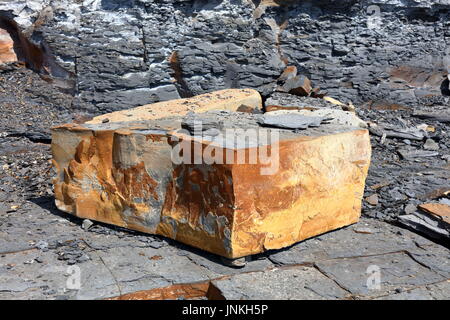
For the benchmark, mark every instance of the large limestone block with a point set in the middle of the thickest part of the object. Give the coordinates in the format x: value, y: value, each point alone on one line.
x: 229, y: 99
x: 125, y: 174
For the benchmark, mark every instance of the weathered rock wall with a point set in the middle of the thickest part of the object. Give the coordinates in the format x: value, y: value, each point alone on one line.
x: 130, y: 53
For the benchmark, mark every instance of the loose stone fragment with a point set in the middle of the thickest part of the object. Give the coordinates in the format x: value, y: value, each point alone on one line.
x: 288, y: 73
x: 410, y: 208
x: 372, y: 200
x: 413, y: 154
x: 363, y: 230
x: 86, y: 224
x: 425, y: 223
x: 443, y: 116
x: 290, y: 121
x: 333, y: 101
x: 433, y: 219
x: 332, y: 116
x: 391, y: 131
x: 298, y: 85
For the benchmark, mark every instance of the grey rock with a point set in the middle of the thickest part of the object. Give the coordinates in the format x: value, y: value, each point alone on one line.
x: 439, y: 291
x: 290, y: 121
x: 224, y: 44
x: 346, y: 243
x: 87, y: 224
x: 391, y: 131
x: 396, y: 270
x: 410, y: 208
x: 422, y: 222
x: 413, y: 154
x: 301, y: 283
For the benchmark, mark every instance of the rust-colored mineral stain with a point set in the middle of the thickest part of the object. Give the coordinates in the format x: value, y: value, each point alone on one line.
x: 154, y: 137
x: 295, y: 203
x: 135, y: 182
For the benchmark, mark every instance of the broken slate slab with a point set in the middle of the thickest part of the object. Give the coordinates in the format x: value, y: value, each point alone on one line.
x: 428, y: 224
x: 280, y: 100
x: 413, y: 154
x: 438, y: 210
x: 345, y: 243
x: 298, y: 85
x: 443, y: 116
x: 331, y: 116
x: 390, y: 131
x: 435, y: 257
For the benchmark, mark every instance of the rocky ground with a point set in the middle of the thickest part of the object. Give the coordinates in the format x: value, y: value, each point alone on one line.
x: 39, y: 244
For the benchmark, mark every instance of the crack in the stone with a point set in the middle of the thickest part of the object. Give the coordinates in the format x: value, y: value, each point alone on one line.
x: 18, y: 251
x: 405, y: 290
x: 106, y: 266
x: 335, y: 281
x: 175, y: 65
x: 144, y: 45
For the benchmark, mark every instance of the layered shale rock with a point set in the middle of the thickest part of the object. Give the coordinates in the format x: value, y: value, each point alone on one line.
x: 216, y: 180
x: 130, y: 53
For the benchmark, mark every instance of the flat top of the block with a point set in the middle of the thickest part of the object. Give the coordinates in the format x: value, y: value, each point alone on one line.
x: 229, y: 99
x: 235, y: 129
x: 243, y: 130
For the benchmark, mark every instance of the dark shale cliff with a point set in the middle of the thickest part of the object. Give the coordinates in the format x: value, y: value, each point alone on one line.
x: 116, y: 54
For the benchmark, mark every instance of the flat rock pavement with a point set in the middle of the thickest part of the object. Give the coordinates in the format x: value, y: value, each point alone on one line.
x: 46, y: 254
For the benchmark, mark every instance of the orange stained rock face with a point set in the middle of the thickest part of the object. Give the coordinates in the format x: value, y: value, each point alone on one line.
x: 317, y: 188
x: 229, y: 99
x: 7, y: 53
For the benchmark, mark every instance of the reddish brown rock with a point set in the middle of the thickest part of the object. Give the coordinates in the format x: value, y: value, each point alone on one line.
x: 125, y: 174
x: 298, y: 85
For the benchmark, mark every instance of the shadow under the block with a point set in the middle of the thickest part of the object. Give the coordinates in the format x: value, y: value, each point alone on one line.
x: 48, y: 203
